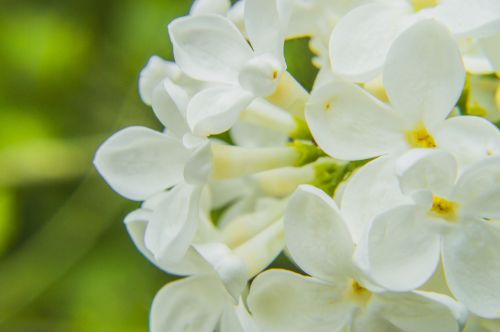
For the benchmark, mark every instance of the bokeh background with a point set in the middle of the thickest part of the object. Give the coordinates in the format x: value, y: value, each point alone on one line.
x: 68, y: 80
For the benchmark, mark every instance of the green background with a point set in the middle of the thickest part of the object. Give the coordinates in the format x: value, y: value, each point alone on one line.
x: 68, y: 80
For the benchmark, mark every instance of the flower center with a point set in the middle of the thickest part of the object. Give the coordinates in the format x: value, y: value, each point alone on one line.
x: 420, y: 138
x: 422, y: 4
x: 358, y: 294
x: 444, y: 209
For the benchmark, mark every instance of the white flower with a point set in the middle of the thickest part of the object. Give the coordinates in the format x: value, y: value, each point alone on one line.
x: 423, y: 77
x: 217, y: 208
x: 199, y: 302
x: 361, y: 40
x: 210, y: 48
x: 210, y: 295
x: 449, y: 217
x: 338, y: 296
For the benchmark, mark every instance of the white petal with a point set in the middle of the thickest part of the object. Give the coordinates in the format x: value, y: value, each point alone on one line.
x: 371, y: 320
x: 194, y: 304
x: 246, y: 320
x: 303, y: 12
x: 468, y: 138
x: 414, y: 312
x: 372, y: 190
x: 265, y: 21
x: 458, y: 310
x: 475, y: 60
x: 237, y: 319
x: 248, y: 225
x: 228, y: 191
x: 471, y: 260
x: 169, y: 103
x: 199, y: 166
x: 138, y: 162
x: 209, y: 47
x: 243, y: 205
x: 427, y: 169
x: 350, y: 124
x: 220, y: 7
x: 477, y: 324
x: 491, y: 48
x: 472, y: 18
x: 253, y: 136
x: 477, y: 64
x: 403, y: 248
x: 237, y: 15
x: 153, y: 73
x: 424, y: 74
x: 361, y: 39
x: 136, y: 223
x: 215, y: 110
x: 479, y: 188
x: 261, y: 75
x: 230, y: 269
x: 316, y: 235
x: 174, y: 222
x: 230, y: 321
x: 284, y: 301
x: 263, y: 248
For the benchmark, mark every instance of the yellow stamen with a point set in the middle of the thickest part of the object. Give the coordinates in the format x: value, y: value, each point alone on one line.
x: 357, y: 293
x: 477, y: 110
x: 444, y: 209
x: 420, y: 138
x: 422, y: 4
x: 275, y: 74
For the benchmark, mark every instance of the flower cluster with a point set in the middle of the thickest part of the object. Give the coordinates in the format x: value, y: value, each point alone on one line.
x: 381, y: 185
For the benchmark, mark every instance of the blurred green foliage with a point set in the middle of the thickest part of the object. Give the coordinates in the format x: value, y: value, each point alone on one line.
x: 68, y: 80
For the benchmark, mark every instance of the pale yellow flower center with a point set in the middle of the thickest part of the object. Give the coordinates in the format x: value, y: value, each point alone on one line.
x: 422, y: 4
x: 358, y: 294
x: 420, y: 137
x: 444, y: 209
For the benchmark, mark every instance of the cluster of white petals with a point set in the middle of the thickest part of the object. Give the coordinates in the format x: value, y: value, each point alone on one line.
x: 378, y: 190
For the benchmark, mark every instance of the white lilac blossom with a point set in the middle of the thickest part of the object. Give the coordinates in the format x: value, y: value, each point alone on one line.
x: 385, y: 193
x: 451, y: 216
x: 361, y: 40
x: 216, y: 275
x: 423, y: 77
x: 211, y: 48
x: 337, y: 295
